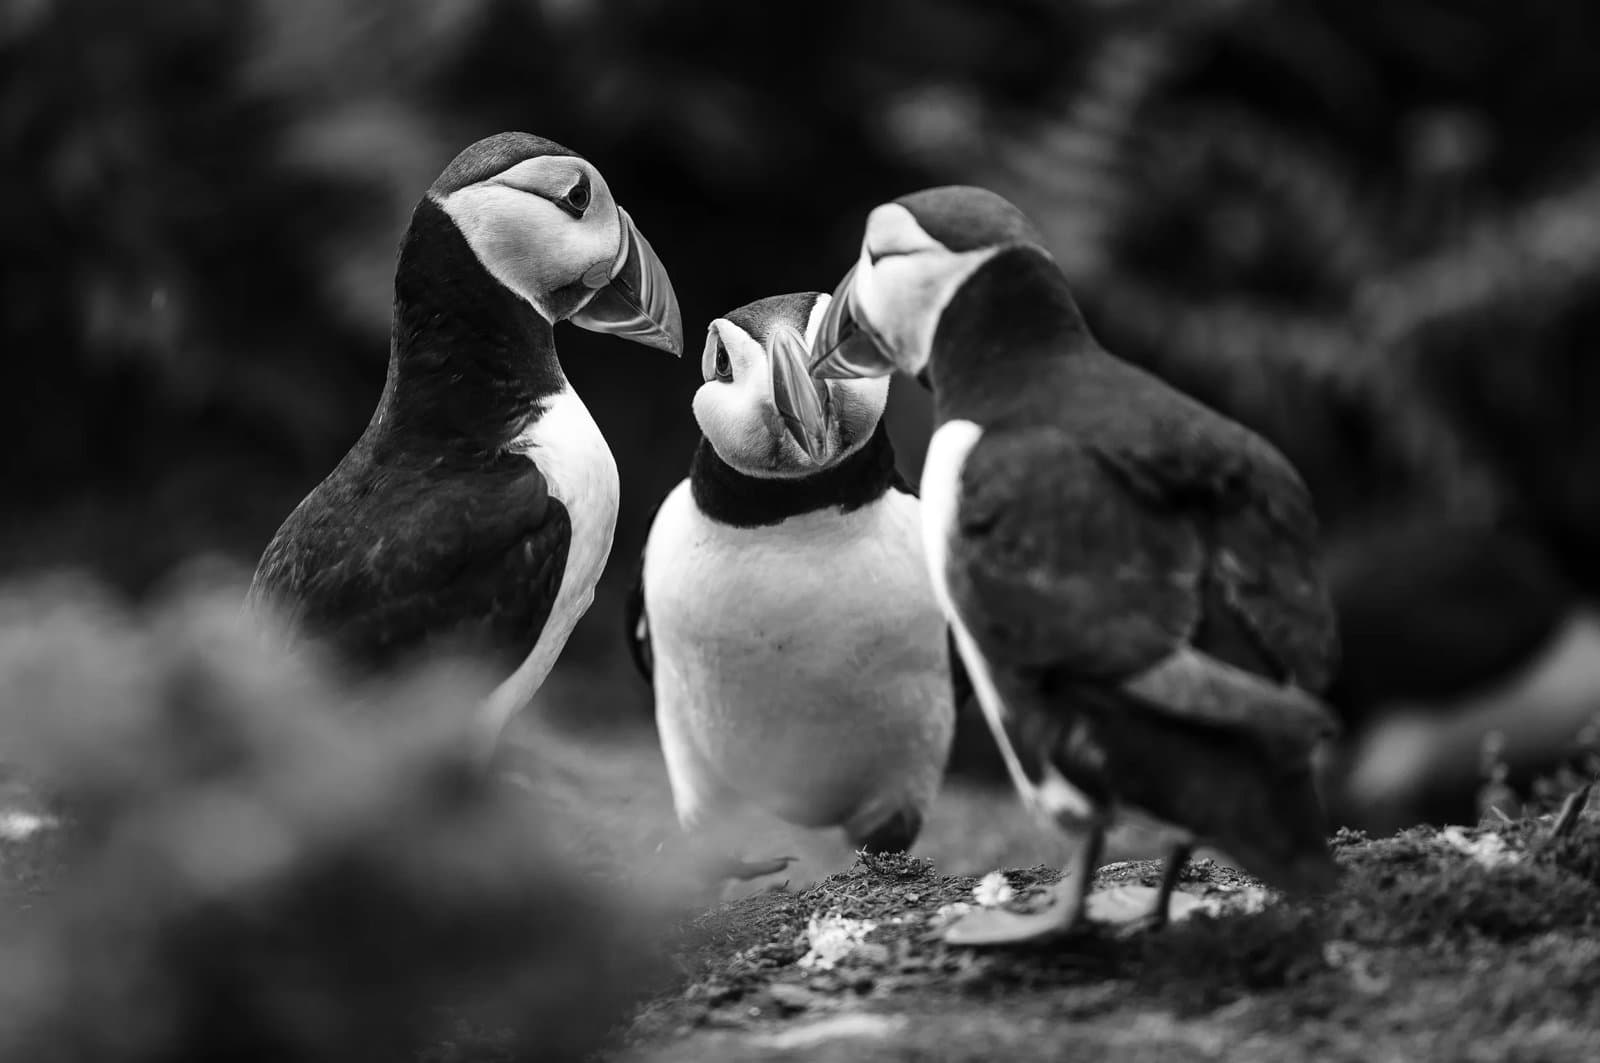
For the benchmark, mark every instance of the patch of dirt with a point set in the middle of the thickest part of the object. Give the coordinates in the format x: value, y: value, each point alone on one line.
x: 1460, y: 944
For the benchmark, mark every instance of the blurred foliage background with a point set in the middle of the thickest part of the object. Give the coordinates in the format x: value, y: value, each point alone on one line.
x: 1372, y: 231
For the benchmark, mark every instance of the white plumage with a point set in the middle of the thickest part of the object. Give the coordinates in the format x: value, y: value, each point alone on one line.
x: 801, y: 667
x: 566, y: 444
x: 800, y: 658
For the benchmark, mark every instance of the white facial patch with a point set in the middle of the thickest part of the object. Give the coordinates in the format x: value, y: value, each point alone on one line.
x: 737, y: 416
x: 740, y: 418
x: 902, y: 296
x: 894, y: 230
x: 527, y: 242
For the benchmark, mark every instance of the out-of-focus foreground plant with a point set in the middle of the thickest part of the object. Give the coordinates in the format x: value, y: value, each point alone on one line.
x: 261, y: 865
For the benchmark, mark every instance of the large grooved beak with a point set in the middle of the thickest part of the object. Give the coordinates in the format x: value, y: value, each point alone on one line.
x: 845, y: 350
x: 636, y: 301
x: 802, y: 402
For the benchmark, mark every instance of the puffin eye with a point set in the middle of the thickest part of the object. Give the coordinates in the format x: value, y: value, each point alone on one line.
x: 577, y: 198
x: 723, y: 368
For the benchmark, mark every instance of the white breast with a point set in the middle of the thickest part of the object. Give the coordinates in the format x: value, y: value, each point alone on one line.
x: 941, y: 488
x: 799, y: 666
x: 1054, y: 798
x: 581, y: 473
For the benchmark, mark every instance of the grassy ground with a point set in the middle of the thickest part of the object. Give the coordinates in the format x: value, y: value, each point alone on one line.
x: 1463, y: 946
x: 621, y: 785
x: 1423, y: 953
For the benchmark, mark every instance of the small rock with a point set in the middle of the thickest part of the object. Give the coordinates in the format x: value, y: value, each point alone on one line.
x: 712, y: 992
x: 860, y: 981
x: 870, y: 954
x: 826, y: 983
x: 1487, y: 850
x: 833, y: 937
x: 853, y: 1026
x: 727, y: 1018
x: 791, y: 997
x: 993, y: 890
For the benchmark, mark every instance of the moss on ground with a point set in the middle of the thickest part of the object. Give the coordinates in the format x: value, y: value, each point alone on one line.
x: 1475, y: 944
x: 1463, y: 944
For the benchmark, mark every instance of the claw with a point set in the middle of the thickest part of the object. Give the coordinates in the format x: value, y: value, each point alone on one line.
x: 745, y: 870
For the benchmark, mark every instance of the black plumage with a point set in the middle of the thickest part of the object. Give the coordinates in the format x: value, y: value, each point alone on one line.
x: 429, y: 533
x: 636, y: 617
x: 1132, y: 578
x: 1117, y: 515
x: 1106, y: 523
x: 729, y: 496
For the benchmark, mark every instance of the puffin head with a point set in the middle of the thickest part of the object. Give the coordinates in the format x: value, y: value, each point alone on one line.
x: 543, y: 222
x: 916, y: 255
x: 759, y: 407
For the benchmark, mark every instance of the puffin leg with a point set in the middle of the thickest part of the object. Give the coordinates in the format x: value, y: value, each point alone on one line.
x: 707, y: 873
x: 703, y: 800
x: 1067, y: 903
x: 714, y: 866
x: 1160, y: 912
x: 895, y: 834
x: 1085, y: 862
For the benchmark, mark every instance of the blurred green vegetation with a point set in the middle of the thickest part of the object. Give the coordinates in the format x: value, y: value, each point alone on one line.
x: 236, y: 865
x: 1367, y: 230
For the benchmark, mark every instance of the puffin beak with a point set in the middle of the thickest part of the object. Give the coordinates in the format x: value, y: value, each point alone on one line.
x: 845, y: 349
x: 635, y: 298
x: 802, y: 402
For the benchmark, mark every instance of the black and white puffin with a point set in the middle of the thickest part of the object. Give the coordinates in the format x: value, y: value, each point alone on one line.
x: 1129, y: 576
x: 476, y: 511
x: 799, y: 659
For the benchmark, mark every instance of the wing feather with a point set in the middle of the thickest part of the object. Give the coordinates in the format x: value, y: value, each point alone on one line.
x: 1178, y: 567
x: 391, y: 562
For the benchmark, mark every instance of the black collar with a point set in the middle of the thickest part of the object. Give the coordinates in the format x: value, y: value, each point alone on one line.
x: 729, y: 496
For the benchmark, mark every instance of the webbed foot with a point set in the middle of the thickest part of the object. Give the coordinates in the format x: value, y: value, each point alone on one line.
x: 745, y: 870
x: 988, y: 927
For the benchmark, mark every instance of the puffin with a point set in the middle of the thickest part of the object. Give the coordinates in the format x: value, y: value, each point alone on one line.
x: 1132, y: 580
x: 476, y: 511
x: 783, y: 612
